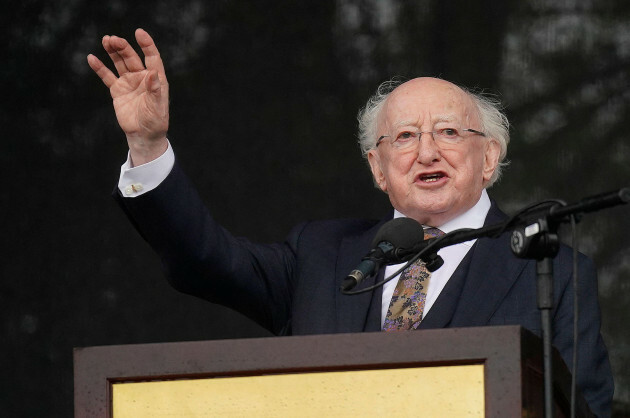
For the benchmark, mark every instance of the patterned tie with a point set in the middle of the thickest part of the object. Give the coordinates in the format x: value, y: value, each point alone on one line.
x: 407, y: 304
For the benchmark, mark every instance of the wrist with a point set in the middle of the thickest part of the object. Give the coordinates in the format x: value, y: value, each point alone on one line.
x: 142, y: 150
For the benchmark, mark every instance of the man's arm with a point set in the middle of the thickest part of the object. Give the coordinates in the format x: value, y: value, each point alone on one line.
x: 203, y: 259
x: 200, y: 257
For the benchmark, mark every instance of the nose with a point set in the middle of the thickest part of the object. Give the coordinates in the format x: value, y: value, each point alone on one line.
x: 428, y: 150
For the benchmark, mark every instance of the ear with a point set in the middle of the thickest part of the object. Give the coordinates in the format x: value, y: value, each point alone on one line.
x: 491, y: 160
x: 375, y: 165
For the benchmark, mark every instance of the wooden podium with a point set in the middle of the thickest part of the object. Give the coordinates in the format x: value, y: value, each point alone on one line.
x: 486, y: 371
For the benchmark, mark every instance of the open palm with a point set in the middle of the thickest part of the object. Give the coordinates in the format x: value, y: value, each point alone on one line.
x: 139, y: 92
x: 137, y: 111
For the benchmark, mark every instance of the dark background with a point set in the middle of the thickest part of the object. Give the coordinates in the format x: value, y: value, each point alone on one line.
x: 285, y: 78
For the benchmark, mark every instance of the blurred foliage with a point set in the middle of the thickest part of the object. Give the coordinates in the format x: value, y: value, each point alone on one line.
x: 290, y: 77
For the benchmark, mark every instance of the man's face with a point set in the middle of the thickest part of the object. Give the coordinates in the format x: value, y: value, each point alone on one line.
x: 431, y: 183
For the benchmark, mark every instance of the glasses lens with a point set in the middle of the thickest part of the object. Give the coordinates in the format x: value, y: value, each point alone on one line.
x: 443, y: 137
x: 405, y: 140
x: 447, y: 136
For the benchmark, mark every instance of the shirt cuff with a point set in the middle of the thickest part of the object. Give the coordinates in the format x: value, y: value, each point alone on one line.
x: 135, y: 181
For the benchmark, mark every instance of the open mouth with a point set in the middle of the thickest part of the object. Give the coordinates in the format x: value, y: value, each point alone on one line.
x: 430, y: 178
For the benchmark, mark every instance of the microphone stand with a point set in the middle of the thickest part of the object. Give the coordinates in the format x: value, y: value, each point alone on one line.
x: 534, y: 236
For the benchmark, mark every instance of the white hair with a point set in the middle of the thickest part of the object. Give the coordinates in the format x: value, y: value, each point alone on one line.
x: 493, y: 121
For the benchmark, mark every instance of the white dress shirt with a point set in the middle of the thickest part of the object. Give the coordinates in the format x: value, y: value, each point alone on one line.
x: 452, y: 255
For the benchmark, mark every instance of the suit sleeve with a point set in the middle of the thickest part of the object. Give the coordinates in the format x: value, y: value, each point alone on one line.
x: 594, y: 375
x: 202, y: 259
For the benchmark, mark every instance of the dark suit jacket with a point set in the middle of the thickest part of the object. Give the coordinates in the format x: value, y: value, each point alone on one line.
x: 293, y: 287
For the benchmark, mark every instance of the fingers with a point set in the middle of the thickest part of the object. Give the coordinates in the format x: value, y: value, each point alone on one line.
x: 152, y: 57
x: 101, y: 70
x: 124, y: 57
x: 118, y: 61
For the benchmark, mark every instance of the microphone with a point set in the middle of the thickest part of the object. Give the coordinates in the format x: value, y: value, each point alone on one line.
x: 395, y: 235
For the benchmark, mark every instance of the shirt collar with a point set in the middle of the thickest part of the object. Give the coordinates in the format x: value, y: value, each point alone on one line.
x: 472, y: 218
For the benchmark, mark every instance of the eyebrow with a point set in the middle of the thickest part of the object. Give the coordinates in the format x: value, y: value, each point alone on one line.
x: 400, y: 124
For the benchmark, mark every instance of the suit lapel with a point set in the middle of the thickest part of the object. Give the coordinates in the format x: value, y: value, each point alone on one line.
x: 440, y: 314
x: 479, y: 284
x: 352, y: 311
x: 492, y: 273
x: 488, y: 282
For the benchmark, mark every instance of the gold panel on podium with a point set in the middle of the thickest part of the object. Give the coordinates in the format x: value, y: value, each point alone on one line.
x: 418, y: 391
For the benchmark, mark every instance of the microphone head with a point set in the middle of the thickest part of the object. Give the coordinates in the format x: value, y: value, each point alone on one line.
x: 400, y: 232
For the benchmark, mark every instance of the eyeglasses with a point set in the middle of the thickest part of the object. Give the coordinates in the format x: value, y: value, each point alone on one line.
x: 444, y: 137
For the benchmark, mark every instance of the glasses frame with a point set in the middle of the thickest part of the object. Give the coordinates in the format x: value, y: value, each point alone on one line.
x: 419, y: 134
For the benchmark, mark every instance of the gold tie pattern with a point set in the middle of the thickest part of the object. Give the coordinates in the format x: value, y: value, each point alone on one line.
x: 407, y: 305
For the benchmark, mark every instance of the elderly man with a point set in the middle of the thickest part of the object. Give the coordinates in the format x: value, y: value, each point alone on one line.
x: 432, y: 147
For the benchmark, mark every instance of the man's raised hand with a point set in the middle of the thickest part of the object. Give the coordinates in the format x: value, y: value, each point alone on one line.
x: 140, y: 94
